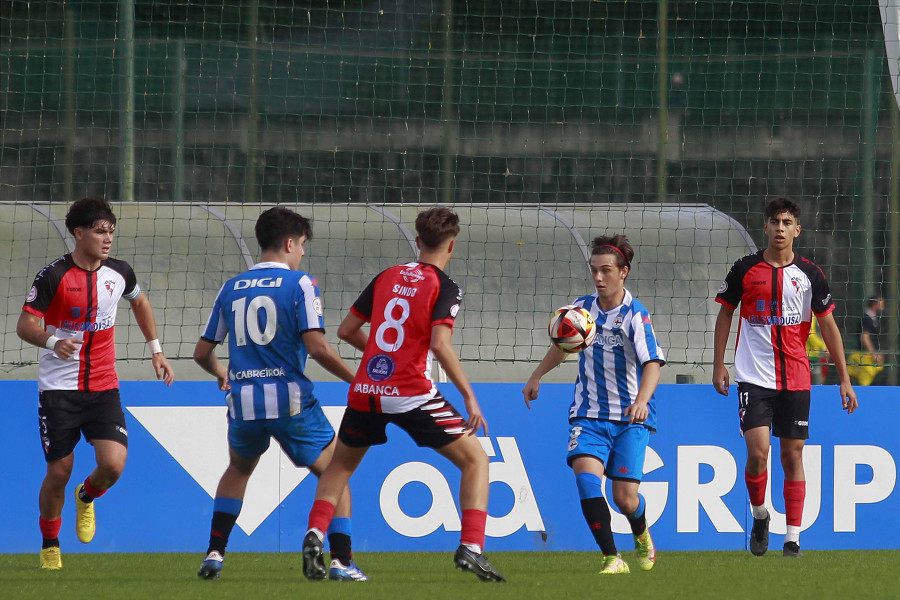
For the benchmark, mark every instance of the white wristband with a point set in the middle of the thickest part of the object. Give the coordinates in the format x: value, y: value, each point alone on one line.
x: 154, y: 346
x: 50, y: 344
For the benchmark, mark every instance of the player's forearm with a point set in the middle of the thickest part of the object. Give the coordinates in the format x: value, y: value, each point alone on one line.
x: 720, y: 336
x: 143, y: 315
x: 331, y: 361
x: 446, y: 355
x: 551, y: 360
x: 835, y: 344
x: 649, y: 380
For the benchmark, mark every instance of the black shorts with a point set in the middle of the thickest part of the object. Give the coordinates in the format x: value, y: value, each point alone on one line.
x: 787, y: 413
x: 65, y: 414
x: 432, y: 425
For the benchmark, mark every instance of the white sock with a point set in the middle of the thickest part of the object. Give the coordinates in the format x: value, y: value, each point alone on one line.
x: 474, y: 548
x: 792, y: 534
x: 759, y: 512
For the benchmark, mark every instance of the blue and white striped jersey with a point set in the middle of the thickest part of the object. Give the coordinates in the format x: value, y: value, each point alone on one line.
x: 609, y: 371
x: 264, y: 312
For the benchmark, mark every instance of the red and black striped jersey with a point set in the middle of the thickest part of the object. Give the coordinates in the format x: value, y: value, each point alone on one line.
x: 402, y: 305
x: 75, y: 303
x: 777, y: 304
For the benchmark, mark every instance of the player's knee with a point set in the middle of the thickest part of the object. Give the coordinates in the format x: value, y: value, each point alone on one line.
x: 58, y: 473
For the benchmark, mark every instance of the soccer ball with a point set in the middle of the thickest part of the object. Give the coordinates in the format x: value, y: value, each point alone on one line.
x: 572, y: 328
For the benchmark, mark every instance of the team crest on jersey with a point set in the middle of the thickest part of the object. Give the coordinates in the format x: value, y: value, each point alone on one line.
x: 723, y: 288
x: 412, y: 275
x: 454, y: 310
x: 618, y: 322
x: 110, y: 286
x: 380, y: 367
x: 796, y: 283
x: 317, y: 305
x: 32, y: 294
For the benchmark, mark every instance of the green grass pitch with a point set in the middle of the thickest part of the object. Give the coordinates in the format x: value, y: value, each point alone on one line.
x: 431, y: 576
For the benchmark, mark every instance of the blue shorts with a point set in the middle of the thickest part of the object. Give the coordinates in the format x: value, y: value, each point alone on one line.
x: 302, y: 437
x: 619, y: 446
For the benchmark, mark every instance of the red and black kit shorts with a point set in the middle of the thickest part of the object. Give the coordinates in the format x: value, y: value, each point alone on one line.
x: 64, y: 415
x: 786, y: 412
x: 432, y: 425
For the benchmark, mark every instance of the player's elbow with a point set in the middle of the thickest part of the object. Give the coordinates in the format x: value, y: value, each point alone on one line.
x: 22, y: 327
x: 345, y: 332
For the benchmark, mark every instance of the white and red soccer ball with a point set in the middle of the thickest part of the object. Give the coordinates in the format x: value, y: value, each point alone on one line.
x: 572, y: 328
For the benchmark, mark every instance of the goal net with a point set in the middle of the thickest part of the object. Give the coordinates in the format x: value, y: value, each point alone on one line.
x: 543, y: 124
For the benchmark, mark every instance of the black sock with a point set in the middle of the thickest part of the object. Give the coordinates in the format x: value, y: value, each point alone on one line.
x: 339, y: 543
x: 82, y: 495
x: 222, y: 524
x: 596, y: 513
x: 54, y: 543
x: 638, y: 524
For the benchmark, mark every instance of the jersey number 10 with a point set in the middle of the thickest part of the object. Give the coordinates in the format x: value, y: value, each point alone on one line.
x: 246, y: 320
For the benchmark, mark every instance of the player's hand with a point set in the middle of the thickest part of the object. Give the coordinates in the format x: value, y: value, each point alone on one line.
x: 66, y: 348
x: 848, y: 398
x: 224, y: 384
x: 476, y: 420
x: 530, y: 391
x: 637, y: 412
x: 720, y: 379
x: 162, y: 368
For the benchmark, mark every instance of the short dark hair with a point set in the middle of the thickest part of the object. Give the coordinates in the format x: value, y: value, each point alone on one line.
x: 780, y: 205
x: 277, y: 224
x: 874, y: 299
x: 617, y: 245
x: 436, y: 225
x: 87, y: 211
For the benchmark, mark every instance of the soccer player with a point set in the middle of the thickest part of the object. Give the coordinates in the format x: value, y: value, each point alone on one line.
x: 778, y: 292
x: 272, y: 316
x: 411, y: 309
x: 613, y: 411
x: 77, y: 296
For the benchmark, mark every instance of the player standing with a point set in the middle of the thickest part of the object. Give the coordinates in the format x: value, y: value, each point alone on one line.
x: 411, y: 309
x: 77, y: 297
x: 778, y: 292
x: 272, y: 316
x: 613, y: 412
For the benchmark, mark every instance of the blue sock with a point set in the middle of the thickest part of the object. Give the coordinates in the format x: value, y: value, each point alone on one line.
x: 231, y: 506
x: 589, y: 486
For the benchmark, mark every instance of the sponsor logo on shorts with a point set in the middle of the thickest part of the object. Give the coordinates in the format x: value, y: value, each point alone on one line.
x: 801, y: 423
x: 122, y: 430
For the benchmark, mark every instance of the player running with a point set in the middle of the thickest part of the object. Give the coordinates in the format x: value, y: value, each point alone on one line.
x: 778, y: 292
x: 77, y: 297
x: 411, y: 309
x: 613, y: 412
x: 272, y: 316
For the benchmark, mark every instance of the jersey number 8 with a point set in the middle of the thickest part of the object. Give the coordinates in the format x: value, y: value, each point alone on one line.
x: 391, y: 323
